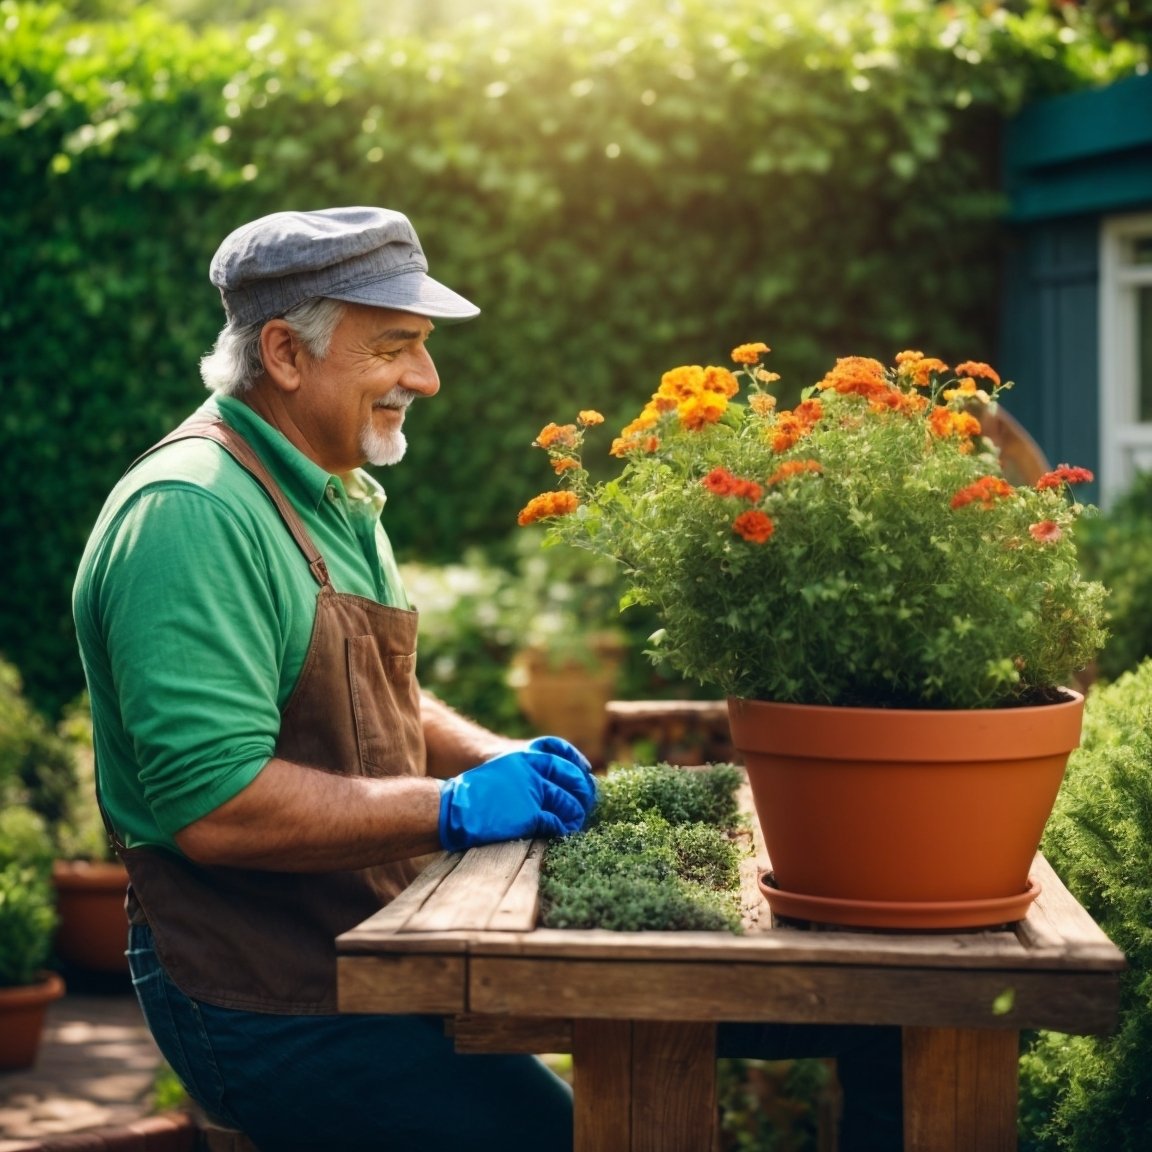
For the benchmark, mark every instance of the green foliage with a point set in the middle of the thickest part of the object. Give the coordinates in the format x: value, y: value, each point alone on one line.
x: 677, y: 795
x: 1084, y: 1093
x: 37, y: 766
x: 632, y: 184
x: 648, y: 861
x: 27, y: 922
x: 772, y: 1105
x: 27, y: 901
x: 874, y: 569
x: 1116, y: 549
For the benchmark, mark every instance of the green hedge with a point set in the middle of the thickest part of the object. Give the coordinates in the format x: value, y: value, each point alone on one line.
x: 1086, y: 1093
x: 620, y: 190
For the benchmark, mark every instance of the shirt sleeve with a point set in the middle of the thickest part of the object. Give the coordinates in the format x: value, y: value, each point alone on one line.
x: 195, y: 643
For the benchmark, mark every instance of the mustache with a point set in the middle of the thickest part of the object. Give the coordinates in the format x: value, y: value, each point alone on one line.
x: 399, y: 398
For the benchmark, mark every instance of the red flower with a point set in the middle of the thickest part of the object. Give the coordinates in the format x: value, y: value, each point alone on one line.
x: 1064, y: 474
x: 753, y: 526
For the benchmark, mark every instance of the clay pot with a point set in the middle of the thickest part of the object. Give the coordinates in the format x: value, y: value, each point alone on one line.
x: 22, y: 1013
x: 899, y: 818
x: 93, y: 929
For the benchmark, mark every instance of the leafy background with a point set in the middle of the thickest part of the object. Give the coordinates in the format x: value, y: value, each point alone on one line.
x: 620, y: 187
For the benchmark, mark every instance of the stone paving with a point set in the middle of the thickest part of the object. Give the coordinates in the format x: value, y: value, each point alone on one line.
x: 96, y: 1067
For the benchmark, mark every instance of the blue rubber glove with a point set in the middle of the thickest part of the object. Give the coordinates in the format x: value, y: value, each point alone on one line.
x: 514, y: 796
x: 558, y: 746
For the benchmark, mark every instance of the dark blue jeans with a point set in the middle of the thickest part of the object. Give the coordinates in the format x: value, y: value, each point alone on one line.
x: 395, y: 1083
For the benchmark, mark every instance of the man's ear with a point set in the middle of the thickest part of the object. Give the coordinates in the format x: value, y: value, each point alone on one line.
x: 281, y: 351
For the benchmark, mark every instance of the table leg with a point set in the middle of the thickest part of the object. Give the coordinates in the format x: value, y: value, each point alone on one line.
x: 644, y: 1086
x: 960, y: 1089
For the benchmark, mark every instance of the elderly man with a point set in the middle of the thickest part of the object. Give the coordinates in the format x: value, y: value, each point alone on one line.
x: 266, y: 762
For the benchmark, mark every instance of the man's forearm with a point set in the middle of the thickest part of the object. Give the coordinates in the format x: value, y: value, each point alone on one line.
x: 455, y: 743
x: 297, y: 819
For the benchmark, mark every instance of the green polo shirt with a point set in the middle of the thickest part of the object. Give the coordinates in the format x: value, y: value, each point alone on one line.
x: 194, y: 610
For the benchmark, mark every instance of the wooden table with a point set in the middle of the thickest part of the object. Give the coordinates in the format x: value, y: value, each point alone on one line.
x: 638, y: 1011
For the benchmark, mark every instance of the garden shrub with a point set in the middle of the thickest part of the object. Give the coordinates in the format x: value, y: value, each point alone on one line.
x: 1086, y: 1093
x: 657, y: 855
x: 1116, y: 548
x: 620, y: 190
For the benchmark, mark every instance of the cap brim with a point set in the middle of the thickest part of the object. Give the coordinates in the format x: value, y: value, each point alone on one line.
x: 413, y: 292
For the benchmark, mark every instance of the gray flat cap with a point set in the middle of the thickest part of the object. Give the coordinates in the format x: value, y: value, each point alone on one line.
x: 362, y: 255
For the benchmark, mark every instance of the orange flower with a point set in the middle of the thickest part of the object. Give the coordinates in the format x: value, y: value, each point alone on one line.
x: 792, y: 468
x: 1064, y: 474
x: 985, y: 492
x: 720, y: 381
x: 856, y: 375
x: 1046, y: 532
x: 945, y: 422
x: 809, y: 412
x: 556, y: 435
x: 564, y: 464
x: 545, y: 505
x: 588, y: 417
x: 719, y: 482
x: 749, y: 353
x: 754, y: 526
x: 681, y: 383
x: 788, y: 429
x: 625, y: 445
x: 761, y: 403
x: 977, y: 368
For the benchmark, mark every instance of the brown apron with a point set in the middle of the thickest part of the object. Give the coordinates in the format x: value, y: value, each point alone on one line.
x: 265, y: 941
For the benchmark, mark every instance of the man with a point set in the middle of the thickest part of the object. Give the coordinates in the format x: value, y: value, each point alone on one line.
x: 266, y: 762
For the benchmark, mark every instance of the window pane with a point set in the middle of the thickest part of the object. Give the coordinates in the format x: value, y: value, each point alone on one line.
x: 1144, y: 350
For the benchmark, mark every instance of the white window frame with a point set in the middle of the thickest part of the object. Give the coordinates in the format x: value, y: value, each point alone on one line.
x: 1125, y: 442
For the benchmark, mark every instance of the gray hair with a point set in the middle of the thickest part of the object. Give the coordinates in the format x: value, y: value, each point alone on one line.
x: 234, y: 364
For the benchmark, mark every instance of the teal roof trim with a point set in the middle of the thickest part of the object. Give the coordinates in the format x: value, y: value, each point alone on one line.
x: 1082, y: 153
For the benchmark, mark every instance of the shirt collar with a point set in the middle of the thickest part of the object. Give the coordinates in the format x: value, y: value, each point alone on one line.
x: 303, y: 480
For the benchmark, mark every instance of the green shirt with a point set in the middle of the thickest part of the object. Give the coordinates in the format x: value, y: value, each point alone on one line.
x: 194, y: 610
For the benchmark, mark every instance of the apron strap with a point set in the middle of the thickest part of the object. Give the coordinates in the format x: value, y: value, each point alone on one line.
x: 199, y: 426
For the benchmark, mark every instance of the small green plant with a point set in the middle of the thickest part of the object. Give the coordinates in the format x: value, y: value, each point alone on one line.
x: 27, y: 921
x: 1085, y: 1093
x: 657, y: 855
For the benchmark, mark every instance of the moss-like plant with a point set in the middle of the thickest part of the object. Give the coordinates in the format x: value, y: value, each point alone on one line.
x: 1084, y: 1093
x: 658, y: 854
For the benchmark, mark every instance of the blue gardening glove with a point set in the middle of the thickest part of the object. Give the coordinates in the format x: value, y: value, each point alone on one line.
x: 514, y: 796
x: 558, y: 746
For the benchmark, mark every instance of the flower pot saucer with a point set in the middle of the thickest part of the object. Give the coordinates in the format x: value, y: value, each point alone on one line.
x: 911, y: 915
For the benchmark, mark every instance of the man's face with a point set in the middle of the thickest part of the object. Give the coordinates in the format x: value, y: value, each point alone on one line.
x: 351, y: 404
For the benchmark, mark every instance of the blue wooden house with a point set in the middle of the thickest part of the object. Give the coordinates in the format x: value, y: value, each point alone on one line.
x: 1076, y: 322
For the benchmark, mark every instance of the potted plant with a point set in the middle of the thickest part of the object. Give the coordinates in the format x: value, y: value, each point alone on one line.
x: 89, y: 880
x: 27, y: 922
x: 891, y: 620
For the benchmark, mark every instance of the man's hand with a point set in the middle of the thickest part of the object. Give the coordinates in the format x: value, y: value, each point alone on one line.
x: 517, y: 795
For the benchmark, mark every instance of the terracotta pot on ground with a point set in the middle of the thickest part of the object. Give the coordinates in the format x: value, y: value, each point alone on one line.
x: 893, y: 818
x: 93, y: 930
x: 22, y: 1013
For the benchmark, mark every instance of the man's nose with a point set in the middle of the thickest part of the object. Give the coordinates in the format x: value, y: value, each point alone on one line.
x: 421, y: 376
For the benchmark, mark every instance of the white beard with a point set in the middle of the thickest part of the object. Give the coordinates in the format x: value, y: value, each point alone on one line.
x: 383, y: 447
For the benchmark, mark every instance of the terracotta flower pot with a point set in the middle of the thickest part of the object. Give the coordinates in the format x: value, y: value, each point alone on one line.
x: 22, y: 1012
x: 894, y: 818
x: 93, y: 929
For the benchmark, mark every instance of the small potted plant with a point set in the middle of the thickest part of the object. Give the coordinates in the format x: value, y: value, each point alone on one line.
x: 27, y: 923
x: 891, y: 620
x: 89, y: 880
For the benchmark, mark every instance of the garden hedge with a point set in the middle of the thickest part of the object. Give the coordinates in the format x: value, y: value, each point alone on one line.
x: 620, y: 190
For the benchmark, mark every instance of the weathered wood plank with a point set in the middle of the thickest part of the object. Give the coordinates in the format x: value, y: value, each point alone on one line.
x: 961, y: 949
x: 402, y: 984
x: 673, y: 1086
x: 392, y: 916
x: 518, y: 909
x: 511, y: 1034
x: 960, y: 1090
x: 466, y: 899
x: 602, y: 1085
x: 1057, y: 923
x: 803, y: 993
